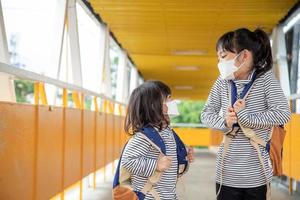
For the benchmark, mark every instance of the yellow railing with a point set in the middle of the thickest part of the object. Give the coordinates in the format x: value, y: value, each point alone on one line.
x: 195, y: 136
x: 200, y: 136
x: 46, y: 149
x: 291, y: 149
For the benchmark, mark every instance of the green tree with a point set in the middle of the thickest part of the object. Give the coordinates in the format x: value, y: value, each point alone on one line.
x: 189, y: 112
x: 23, y: 89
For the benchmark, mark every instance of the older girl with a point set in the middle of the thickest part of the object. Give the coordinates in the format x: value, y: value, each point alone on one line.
x: 243, y: 55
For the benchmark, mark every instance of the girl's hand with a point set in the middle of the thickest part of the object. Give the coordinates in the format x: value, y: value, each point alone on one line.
x: 239, y: 105
x: 190, y: 154
x: 163, y: 163
x: 230, y: 117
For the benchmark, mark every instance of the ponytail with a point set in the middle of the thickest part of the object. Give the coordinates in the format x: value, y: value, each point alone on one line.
x: 263, y: 58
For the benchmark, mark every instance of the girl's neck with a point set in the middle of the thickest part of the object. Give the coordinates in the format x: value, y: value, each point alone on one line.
x: 243, y: 75
x: 165, y: 124
x: 166, y: 121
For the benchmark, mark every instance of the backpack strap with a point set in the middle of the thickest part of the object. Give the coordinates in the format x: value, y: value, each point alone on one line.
x: 232, y: 89
x: 117, y: 179
x: 154, y: 138
x: 245, y: 91
x: 183, y: 163
x: 122, y: 176
x: 226, y: 141
x: 150, y: 134
x: 157, y: 142
x: 254, y: 140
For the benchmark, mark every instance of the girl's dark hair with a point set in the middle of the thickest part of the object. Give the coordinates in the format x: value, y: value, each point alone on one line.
x: 256, y: 42
x: 146, y: 106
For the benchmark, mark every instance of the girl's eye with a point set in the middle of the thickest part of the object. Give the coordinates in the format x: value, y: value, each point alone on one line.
x: 221, y: 57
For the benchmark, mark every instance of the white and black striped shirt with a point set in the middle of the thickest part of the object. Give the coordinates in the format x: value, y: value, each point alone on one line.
x: 266, y: 106
x: 140, y: 159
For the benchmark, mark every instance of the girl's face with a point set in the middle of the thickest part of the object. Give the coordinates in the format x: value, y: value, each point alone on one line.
x: 243, y: 60
x: 227, y: 55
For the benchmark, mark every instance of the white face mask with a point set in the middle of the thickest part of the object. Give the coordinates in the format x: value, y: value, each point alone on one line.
x: 227, y: 68
x: 172, y: 108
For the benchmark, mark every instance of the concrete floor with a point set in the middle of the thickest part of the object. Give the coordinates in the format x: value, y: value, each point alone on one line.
x: 198, y: 184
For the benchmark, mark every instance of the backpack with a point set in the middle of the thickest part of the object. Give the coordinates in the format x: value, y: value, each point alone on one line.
x: 275, y: 149
x: 274, y: 145
x: 122, y: 188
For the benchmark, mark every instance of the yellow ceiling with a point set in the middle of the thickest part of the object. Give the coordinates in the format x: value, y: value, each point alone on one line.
x: 152, y: 31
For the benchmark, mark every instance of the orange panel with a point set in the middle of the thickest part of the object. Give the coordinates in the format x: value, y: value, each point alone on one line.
x: 194, y: 136
x: 72, y: 146
x: 295, y: 147
x: 117, y: 138
x: 109, y: 137
x: 88, y: 142
x: 216, y: 137
x: 123, y: 134
x: 16, y: 151
x: 120, y: 133
x: 100, y: 149
x: 287, y: 150
x: 49, y: 150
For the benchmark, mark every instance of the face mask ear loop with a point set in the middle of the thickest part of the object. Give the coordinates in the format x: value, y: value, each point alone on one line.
x: 237, y: 57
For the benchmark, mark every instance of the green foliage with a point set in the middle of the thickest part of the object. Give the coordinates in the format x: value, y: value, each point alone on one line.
x: 88, y: 103
x: 23, y: 89
x: 189, y: 112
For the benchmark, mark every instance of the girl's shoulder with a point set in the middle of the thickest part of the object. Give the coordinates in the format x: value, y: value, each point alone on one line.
x: 221, y: 83
x: 139, y: 137
x: 268, y: 79
x: 268, y: 75
x: 138, y: 141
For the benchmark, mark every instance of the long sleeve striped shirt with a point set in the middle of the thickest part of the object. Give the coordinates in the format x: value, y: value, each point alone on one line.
x: 140, y: 159
x: 266, y: 106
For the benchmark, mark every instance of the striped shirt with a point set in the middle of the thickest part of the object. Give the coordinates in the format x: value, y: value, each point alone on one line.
x: 266, y: 106
x: 140, y: 159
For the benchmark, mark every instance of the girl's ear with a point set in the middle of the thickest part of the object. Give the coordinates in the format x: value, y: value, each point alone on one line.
x: 169, y: 97
x: 247, y: 55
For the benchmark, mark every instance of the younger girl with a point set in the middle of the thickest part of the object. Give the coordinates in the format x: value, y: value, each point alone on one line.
x: 150, y: 104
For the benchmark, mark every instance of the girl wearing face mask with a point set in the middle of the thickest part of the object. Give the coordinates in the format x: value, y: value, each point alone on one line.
x: 244, y: 56
x: 151, y: 104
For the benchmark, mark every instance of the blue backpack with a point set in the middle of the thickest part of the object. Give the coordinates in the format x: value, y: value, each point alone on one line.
x: 122, y: 188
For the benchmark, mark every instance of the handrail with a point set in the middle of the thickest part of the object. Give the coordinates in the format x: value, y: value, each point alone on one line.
x: 25, y: 74
x: 32, y: 76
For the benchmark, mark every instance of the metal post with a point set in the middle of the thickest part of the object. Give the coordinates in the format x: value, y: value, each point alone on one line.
x: 295, y: 63
x: 7, y: 92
